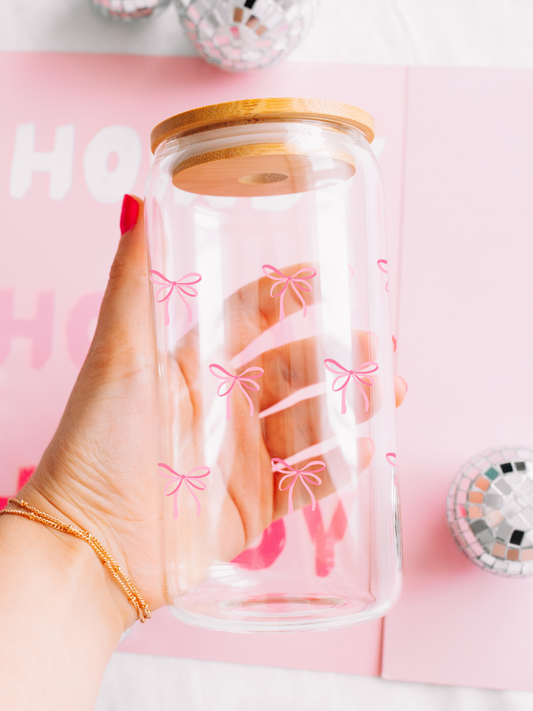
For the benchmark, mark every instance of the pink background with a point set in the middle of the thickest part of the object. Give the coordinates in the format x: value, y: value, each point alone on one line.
x: 462, y: 140
x: 63, y: 249
x: 466, y: 347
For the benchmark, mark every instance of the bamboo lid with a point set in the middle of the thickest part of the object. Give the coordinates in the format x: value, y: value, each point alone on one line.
x: 252, y: 110
x: 261, y: 169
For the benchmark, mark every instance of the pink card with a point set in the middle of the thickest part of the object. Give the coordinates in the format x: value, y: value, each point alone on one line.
x: 352, y: 650
x: 466, y: 350
x: 74, y: 137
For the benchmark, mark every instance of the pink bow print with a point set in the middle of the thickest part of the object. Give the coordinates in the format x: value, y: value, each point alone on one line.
x: 391, y: 459
x: 187, y: 478
x: 229, y: 381
x: 284, y: 281
x: 359, y: 376
x: 278, y: 464
x: 182, y: 287
x: 383, y: 267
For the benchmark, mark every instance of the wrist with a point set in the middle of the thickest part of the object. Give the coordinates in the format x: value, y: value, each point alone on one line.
x: 72, y: 559
x: 60, y: 623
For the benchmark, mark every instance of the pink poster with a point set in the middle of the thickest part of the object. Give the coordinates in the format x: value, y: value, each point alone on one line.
x: 465, y: 338
x: 74, y: 138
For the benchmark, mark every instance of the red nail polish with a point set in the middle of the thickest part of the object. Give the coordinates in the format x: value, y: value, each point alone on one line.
x: 129, y: 214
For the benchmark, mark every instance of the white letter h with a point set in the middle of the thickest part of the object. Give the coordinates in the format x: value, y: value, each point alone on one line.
x: 26, y: 161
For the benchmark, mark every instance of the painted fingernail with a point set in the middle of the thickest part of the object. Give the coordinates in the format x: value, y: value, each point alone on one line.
x: 404, y: 381
x: 394, y: 344
x: 129, y: 214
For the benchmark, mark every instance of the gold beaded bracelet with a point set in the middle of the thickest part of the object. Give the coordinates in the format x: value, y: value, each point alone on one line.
x: 117, y: 572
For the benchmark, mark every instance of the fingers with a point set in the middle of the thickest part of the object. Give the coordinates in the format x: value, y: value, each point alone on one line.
x: 252, y: 310
x: 329, y: 483
x: 290, y: 368
x: 295, y: 372
x: 400, y: 389
x: 296, y: 428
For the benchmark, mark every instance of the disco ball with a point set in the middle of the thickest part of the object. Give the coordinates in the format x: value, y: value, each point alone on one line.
x: 239, y: 35
x: 128, y: 10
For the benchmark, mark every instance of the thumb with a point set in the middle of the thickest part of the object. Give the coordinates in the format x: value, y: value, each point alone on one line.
x: 121, y: 339
x: 112, y: 384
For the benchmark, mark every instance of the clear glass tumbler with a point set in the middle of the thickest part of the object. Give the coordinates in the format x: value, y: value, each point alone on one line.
x: 275, y: 378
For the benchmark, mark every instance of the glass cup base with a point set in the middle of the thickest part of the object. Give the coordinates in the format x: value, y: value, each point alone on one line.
x: 280, y: 613
x: 283, y: 606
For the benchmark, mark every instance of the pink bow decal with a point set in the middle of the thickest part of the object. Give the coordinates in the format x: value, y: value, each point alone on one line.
x: 229, y: 381
x: 359, y: 376
x: 383, y: 267
x: 187, y: 478
x: 391, y: 459
x: 182, y: 287
x: 284, y: 281
x: 278, y: 464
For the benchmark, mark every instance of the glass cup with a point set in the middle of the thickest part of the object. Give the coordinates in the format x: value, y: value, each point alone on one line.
x: 276, y: 416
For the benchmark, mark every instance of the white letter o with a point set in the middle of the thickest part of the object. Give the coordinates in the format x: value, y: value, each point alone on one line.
x: 110, y: 186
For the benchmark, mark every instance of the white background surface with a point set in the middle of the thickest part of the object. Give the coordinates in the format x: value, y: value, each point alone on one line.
x: 471, y: 33
x: 474, y: 33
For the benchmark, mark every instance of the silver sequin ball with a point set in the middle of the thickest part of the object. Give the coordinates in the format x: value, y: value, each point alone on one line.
x: 490, y: 510
x: 128, y: 10
x: 240, y: 35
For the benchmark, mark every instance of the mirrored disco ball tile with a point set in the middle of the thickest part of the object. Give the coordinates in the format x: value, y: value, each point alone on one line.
x: 527, y: 515
x: 494, y: 501
x: 525, y: 487
x: 128, y: 10
x: 490, y: 510
x: 487, y: 561
x: 493, y: 518
x: 502, y: 486
x: 499, y: 550
x: 255, y: 33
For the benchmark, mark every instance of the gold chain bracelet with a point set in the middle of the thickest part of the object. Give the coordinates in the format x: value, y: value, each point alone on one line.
x: 117, y: 572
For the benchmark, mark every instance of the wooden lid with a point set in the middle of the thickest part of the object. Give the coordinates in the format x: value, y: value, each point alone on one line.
x: 262, y: 169
x: 252, y: 110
